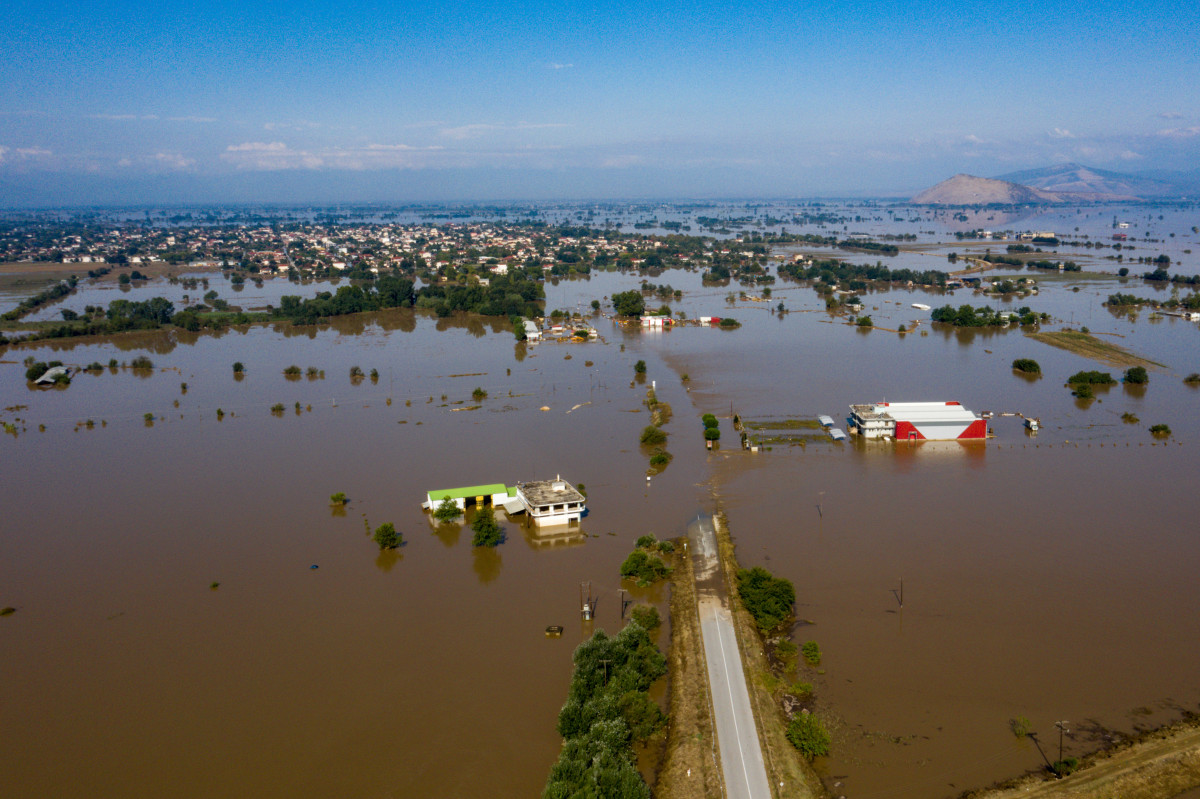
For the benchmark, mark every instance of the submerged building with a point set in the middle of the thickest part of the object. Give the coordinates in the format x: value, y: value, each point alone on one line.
x: 550, y: 502
x: 916, y: 421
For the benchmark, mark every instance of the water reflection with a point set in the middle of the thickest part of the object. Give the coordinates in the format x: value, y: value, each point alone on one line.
x: 447, y: 532
x: 486, y: 563
x: 388, y: 558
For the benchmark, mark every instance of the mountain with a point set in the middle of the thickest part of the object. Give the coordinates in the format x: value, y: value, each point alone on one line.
x: 1086, y: 183
x: 970, y: 190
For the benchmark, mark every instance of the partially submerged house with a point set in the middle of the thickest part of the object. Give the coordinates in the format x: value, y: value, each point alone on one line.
x: 550, y: 502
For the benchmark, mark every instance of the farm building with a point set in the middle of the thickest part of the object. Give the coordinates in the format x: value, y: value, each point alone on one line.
x: 920, y: 421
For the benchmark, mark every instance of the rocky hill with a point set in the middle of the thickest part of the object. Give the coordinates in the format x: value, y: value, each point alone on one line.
x: 1094, y: 184
x: 970, y: 190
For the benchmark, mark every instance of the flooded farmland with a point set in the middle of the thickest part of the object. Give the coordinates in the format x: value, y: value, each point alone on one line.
x: 1048, y: 577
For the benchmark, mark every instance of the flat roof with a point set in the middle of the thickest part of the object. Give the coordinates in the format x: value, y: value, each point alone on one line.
x: 468, y: 492
x: 915, y: 411
x: 542, y: 492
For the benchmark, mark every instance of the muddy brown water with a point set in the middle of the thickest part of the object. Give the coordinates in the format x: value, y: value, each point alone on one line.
x: 1048, y: 577
x: 424, y: 672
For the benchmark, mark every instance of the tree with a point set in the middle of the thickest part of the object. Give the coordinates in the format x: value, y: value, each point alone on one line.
x: 640, y: 367
x: 628, y: 303
x: 339, y: 498
x: 387, y: 537
x: 1027, y: 365
x: 487, y: 530
x: 808, y: 735
x: 447, y: 510
x: 769, y: 599
x: 1137, y: 376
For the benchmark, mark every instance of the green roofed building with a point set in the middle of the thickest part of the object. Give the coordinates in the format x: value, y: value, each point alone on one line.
x: 492, y: 494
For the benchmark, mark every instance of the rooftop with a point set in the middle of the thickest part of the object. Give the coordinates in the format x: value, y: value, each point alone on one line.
x: 549, y: 492
x: 468, y: 492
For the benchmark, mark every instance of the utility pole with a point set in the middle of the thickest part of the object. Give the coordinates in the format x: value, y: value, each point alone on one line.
x: 605, y: 663
x: 622, y: 590
x: 1061, y: 727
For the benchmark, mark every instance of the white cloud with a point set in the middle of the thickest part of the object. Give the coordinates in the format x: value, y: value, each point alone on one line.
x: 1179, y: 133
x: 560, y: 66
x: 1061, y: 133
x: 1170, y: 115
x: 1129, y: 155
x: 32, y: 152
x: 474, y: 131
x: 173, y: 161
x: 192, y: 119
x: 269, y: 156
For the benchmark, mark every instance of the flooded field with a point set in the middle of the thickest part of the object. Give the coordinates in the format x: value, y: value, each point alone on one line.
x: 1050, y: 577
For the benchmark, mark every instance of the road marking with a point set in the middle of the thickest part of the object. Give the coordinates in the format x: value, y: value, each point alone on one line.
x: 729, y: 689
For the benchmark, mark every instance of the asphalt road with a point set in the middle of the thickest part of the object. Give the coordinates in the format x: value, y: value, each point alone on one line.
x: 737, y: 735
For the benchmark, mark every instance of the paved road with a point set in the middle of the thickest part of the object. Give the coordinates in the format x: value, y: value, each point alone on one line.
x: 737, y: 736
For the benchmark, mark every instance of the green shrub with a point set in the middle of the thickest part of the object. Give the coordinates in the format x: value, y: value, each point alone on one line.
x: 1192, y: 379
x: 712, y: 434
x: 339, y: 498
x: 141, y: 362
x: 1084, y: 391
x: 729, y: 323
x: 1129, y: 418
x: 1027, y: 365
x: 479, y: 394
x: 769, y: 599
x: 1137, y: 376
x: 660, y: 458
x: 640, y: 367
x: 666, y: 547
x: 292, y: 371
x: 387, y: 537
x: 646, y: 569
x: 812, y: 653
x: 648, y: 541
x: 1067, y: 765
x: 1020, y: 726
x: 709, y: 420
x: 647, y: 616
x: 36, y: 370
x: 808, y: 735
x: 1091, y: 378
x: 800, y: 690
x: 865, y: 321
x: 652, y: 436
x: 238, y: 367
x: 1161, y: 430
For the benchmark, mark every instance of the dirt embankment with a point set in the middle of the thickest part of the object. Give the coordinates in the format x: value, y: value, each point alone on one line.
x: 785, y: 767
x: 691, y: 766
x: 1160, y: 765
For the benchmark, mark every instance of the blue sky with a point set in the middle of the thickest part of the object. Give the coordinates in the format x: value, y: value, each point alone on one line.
x: 419, y: 101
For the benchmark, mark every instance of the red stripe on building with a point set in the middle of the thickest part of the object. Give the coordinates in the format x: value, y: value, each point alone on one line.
x: 976, y: 429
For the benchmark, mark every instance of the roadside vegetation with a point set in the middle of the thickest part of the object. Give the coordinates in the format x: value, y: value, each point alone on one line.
x: 644, y: 564
x: 608, y: 710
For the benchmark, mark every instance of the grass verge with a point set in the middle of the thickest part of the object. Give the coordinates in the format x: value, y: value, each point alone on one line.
x: 690, y: 767
x: 1089, y: 346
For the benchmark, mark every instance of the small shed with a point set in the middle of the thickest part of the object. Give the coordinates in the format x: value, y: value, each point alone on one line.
x: 492, y: 494
x: 826, y: 421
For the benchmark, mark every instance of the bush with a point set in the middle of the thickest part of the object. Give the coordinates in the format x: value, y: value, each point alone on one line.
x: 1091, y: 378
x: 729, y: 323
x: 238, y: 367
x: 1067, y: 765
x: 640, y: 367
x: 812, y: 653
x: 808, y: 735
x: 865, y: 321
x: 644, y: 568
x: 487, y: 530
x: 660, y: 458
x: 647, y: 616
x: 479, y: 394
x: 356, y: 373
x: 1161, y: 430
x: 36, y: 370
x: 712, y: 434
x: 1027, y: 365
x: 769, y: 599
x: 447, y: 510
x: 652, y: 436
x: 666, y: 547
x: 1192, y: 379
x: 800, y: 690
x: 1130, y: 418
x: 1084, y: 391
x: 1137, y: 376
x: 1020, y: 726
x: 141, y: 362
x: 387, y: 537
x: 709, y: 420
x: 647, y: 541
x: 339, y: 498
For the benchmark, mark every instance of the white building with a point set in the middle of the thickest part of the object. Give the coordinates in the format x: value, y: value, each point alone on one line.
x: 550, y: 502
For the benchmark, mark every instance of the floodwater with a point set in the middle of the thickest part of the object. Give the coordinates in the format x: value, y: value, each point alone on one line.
x: 1050, y: 577
x: 423, y: 672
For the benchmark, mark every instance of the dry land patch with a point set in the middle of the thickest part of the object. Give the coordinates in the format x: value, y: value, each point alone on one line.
x: 1089, y: 346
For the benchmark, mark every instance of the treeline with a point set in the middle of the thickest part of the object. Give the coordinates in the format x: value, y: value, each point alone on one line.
x: 970, y: 316
x: 834, y: 272
x: 387, y: 292
x: 1119, y: 300
x: 31, y: 304
x: 608, y: 708
x: 505, y: 296
x: 869, y: 246
x: 1161, y: 275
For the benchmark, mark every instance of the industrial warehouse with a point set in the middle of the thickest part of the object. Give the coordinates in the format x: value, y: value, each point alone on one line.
x: 916, y: 421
